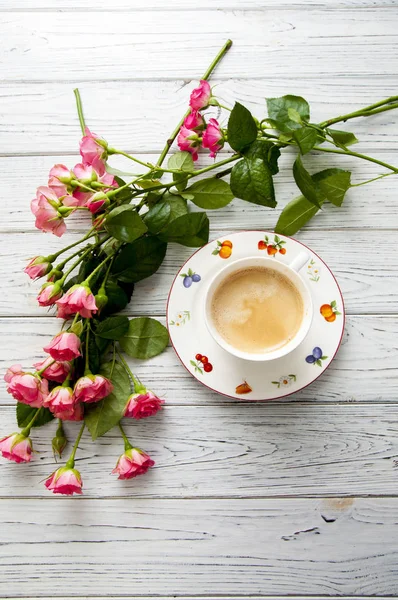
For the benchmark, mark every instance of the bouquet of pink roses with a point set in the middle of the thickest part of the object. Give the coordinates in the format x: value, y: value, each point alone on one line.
x: 84, y: 375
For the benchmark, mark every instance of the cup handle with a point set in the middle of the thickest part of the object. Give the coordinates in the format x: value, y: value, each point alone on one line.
x: 299, y: 262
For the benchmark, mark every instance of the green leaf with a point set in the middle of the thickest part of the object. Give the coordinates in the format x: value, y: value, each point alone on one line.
x: 25, y: 414
x: 102, y: 345
x: 164, y: 212
x: 125, y: 195
x: 242, y: 128
x: 180, y: 181
x: 94, y: 354
x: 139, y: 260
x: 145, y: 338
x: 211, y: 193
x: 251, y: 180
x: 265, y: 150
x: 345, y: 138
x: 294, y: 115
x: 125, y: 224
x: 113, y: 328
x: 304, y: 182
x: 333, y: 184
x: 181, y: 161
x: 117, y: 297
x: 295, y: 215
x: 105, y: 414
x: 189, y: 230
x: 305, y: 138
x: 278, y: 111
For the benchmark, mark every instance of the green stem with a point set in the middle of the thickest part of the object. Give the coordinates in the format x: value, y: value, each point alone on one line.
x: 358, y: 155
x: 129, y: 156
x: 80, y: 110
x: 87, y: 364
x: 362, y: 112
x: 370, y: 180
x: 77, y: 262
x: 39, y: 373
x: 71, y: 462
x: 138, y: 387
x: 61, y: 265
x: 60, y: 432
x: 54, y: 256
x: 127, y: 445
x: 215, y: 165
x: 26, y: 430
x: 98, y: 268
x: 206, y: 75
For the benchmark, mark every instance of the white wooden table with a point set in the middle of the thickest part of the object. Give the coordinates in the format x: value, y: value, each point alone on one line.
x: 246, y: 500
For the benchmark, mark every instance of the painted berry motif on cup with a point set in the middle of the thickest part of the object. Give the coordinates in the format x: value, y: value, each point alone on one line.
x: 223, y: 249
x: 243, y: 388
x: 329, y: 311
x: 189, y: 278
x: 285, y: 381
x: 274, y: 247
x: 201, y: 363
x: 313, y: 270
x: 316, y: 357
x: 181, y: 318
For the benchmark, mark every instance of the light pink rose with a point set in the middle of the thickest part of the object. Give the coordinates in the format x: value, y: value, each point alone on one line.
x: 11, y: 371
x: 66, y: 481
x: 64, y: 346
x: 16, y: 447
x: 194, y: 121
x: 189, y: 141
x: 213, y: 138
x: 142, y: 405
x: 76, y: 413
x: 27, y: 388
x: 60, y: 399
x: 93, y: 151
x: 92, y: 388
x: 132, y: 463
x: 38, y: 267
x: 59, y: 180
x: 49, y: 294
x: 44, y: 207
x: 54, y: 371
x: 200, y: 96
x: 78, y: 299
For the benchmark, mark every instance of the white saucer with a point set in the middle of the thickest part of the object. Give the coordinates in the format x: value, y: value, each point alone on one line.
x: 238, y: 378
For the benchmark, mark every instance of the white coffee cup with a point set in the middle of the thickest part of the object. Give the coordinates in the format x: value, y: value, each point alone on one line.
x: 290, y: 271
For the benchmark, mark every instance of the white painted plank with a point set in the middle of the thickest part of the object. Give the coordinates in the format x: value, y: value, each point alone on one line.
x: 235, y: 450
x: 364, y: 262
x: 139, y: 115
x: 365, y: 368
x: 364, y: 207
x: 176, y: 547
x: 178, y: 5
x: 155, y: 44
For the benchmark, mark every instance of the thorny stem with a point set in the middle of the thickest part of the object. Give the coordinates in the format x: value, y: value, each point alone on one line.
x: 71, y: 462
x: 80, y: 110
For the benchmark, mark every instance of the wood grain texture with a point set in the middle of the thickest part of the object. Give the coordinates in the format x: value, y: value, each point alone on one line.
x: 290, y: 41
x: 178, y: 5
x: 229, y: 451
x: 232, y: 547
x: 365, y: 368
x: 117, y: 110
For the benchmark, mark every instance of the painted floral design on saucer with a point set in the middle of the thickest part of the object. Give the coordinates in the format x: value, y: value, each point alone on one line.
x: 235, y: 377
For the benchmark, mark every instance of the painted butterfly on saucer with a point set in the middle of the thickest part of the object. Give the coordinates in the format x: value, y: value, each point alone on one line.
x: 230, y: 375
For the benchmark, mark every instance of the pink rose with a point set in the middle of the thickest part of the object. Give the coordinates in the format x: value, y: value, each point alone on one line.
x: 143, y: 405
x: 78, y: 299
x: 59, y: 180
x: 132, y: 463
x: 65, y: 481
x: 27, y: 388
x: 16, y: 447
x: 44, y: 207
x: 213, y: 137
x: 93, y: 151
x: 97, y: 202
x: 11, y: 371
x: 194, y: 121
x: 38, y: 267
x: 189, y: 141
x: 76, y: 413
x: 64, y: 346
x: 200, y: 96
x: 60, y: 399
x: 49, y: 294
x: 92, y: 388
x: 87, y: 175
x: 54, y: 371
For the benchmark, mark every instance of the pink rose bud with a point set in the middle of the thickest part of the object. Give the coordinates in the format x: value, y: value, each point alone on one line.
x: 16, y: 447
x: 49, y: 294
x: 92, y: 388
x: 45, y: 208
x: 194, y: 121
x: 76, y: 413
x: 54, y: 371
x: 27, y: 388
x: 60, y: 399
x: 78, y: 299
x: 132, y: 463
x: 142, y: 405
x: 60, y: 179
x: 66, y: 481
x: 38, y: 267
x: 90, y: 177
x: 97, y: 202
x: 213, y: 138
x: 64, y: 346
x: 200, y: 96
x: 189, y: 141
x: 93, y: 151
